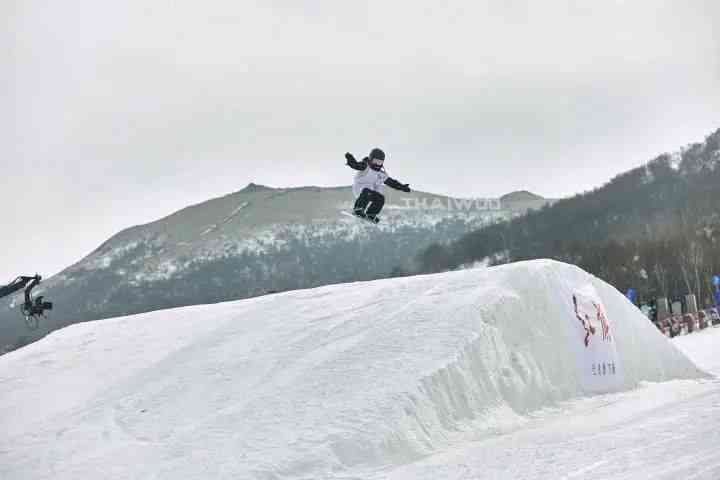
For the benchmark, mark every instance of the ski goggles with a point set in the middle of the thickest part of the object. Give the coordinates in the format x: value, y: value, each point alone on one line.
x: 377, y: 161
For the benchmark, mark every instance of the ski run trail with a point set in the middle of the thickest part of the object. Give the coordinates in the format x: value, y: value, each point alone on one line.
x: 533, y: 370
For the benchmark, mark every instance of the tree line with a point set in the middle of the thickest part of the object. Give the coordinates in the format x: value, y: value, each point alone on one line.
x: 655, y: 228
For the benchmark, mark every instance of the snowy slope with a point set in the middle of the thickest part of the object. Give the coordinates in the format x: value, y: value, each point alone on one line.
x: 660, y: 431
x: 344, y: 381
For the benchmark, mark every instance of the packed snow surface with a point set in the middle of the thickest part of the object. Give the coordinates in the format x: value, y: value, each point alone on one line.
x: 530, y: 370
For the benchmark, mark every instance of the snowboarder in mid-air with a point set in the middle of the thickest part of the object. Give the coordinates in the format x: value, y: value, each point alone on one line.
x: 368, y: 184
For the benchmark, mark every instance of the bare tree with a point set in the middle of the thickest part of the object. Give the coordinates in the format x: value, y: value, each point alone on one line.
x: 690, y: 252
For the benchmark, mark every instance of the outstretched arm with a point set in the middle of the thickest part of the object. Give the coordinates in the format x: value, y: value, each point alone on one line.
x: 354, y: 164
x: 392, y: 183
x: 16, y: 285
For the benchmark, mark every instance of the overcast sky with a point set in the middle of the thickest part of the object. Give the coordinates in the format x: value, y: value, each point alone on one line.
x: 123, y: 112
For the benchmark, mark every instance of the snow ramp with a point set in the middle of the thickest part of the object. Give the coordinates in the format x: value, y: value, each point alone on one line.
x: 323, y: 382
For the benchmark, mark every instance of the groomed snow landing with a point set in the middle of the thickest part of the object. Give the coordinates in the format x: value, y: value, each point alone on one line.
x: 335, y: 381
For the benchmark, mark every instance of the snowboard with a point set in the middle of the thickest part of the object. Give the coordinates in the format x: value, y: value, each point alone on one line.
x: 365, y: 219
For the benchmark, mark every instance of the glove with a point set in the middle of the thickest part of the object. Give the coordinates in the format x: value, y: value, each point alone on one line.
x: 349, y: 158
x: 405, y: 188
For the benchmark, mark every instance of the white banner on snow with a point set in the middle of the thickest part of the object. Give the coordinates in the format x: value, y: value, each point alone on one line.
x: 594, y: 342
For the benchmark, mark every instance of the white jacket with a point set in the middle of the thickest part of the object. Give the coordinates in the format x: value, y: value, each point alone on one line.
x: 369, y: 178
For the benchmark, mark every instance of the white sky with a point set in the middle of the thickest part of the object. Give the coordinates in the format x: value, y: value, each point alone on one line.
x: 123, y: 112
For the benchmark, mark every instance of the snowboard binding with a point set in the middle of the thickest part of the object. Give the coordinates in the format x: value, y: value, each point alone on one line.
x: 368, y: 218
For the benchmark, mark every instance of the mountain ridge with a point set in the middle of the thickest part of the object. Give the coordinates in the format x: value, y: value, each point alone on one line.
x: 246, y: 243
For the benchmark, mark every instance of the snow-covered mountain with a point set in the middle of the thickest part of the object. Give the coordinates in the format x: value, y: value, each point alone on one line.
x: 248, y: 243
x: 362, y: 380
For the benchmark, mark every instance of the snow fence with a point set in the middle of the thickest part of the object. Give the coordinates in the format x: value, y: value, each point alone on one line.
x: 306, y: 383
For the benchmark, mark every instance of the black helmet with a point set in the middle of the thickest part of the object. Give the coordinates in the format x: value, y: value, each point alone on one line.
x: 377, y: 158
x: 376, y: 153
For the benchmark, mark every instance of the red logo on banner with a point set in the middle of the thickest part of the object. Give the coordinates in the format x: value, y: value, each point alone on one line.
x: 587, y: 323
x: 603, y: 322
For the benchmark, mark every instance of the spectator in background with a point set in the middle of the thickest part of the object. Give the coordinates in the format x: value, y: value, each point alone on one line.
x: 689, y: 322
x: 715, y: 316
x: 675, y: 326
x: 702, y: 320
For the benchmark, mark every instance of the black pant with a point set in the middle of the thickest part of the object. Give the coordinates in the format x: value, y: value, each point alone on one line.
x: 375, y: 199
